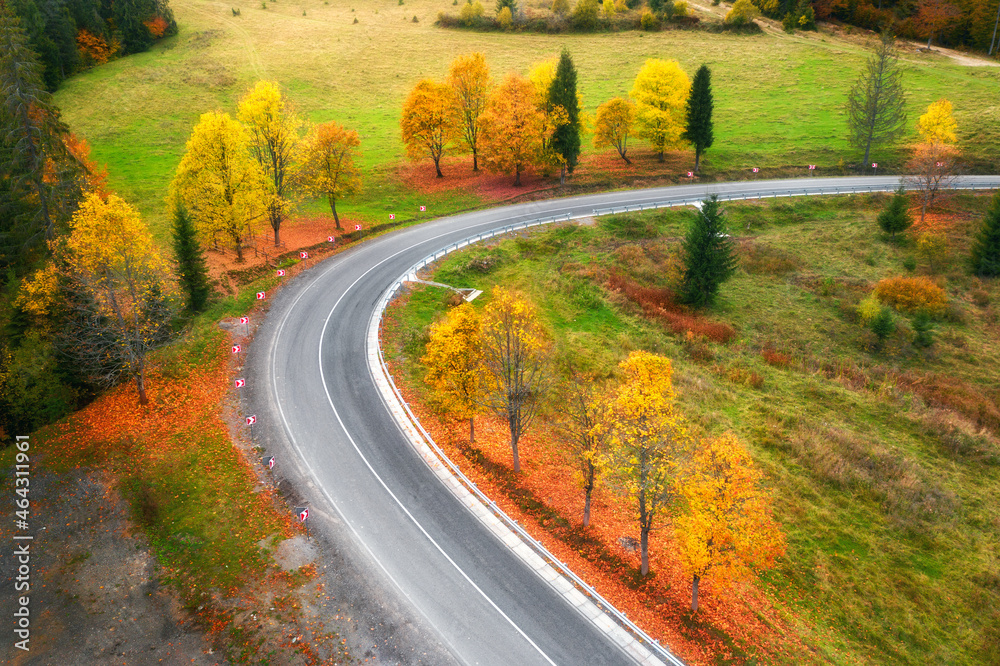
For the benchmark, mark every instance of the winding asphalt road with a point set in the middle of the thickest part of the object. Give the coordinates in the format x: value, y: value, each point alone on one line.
x: 355, y: 465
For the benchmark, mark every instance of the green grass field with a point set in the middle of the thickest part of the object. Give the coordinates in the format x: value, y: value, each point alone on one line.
x: 778, y: 98
x: 884, y: 465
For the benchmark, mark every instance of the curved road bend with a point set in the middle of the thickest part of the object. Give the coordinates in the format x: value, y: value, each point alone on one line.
x: 350, y: 462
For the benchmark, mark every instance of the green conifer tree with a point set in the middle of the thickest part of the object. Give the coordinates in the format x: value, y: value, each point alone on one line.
x: 566, y: 139
x: 895, y: 217
x: 709, y: 257
x: 699, y: 114
x: 191, y: 267
x: 985, y: 255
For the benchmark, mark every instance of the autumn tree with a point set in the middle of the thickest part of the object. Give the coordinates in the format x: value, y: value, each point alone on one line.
x: 933, y: 166
x: 122, y: 300
x: 513, y: 128
x: 580, y: 421
x: 220, y: 183
x: 565, y: 140
x: 935, y: 16
x: 469, y: 78
x: 430, y: 121
x: 273, y: 132
x: 743, y: 12
x: 647, y: 442
x: 985, y: 254
x: 937, y: 125
x: 895, y: 217
x: 515, y: 375
x: 726, y: 529
x: 192, y: 270
x: 875, y: 106
x: 709, y: 259
x: 614, y: 125
x: 329, y: 165
x: 698, y: 128
x: 452, y: 358
x: 660, y: 91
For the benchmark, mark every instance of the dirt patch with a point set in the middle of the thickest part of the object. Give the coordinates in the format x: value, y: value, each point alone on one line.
x: 94, y: 594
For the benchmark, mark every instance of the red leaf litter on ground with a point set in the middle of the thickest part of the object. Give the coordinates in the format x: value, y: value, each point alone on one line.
x: 660, y: 605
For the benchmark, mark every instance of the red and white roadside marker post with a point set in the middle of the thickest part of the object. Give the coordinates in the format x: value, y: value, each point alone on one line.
x: 240, y: 383
x: 236, y: 350
x: 302, y: 513
x: 250, y: 421
x: 756, y: 170
x: 812, y: 167
x: 690, y: 174
x: 357, y: 227
x: 281, y: 272
x: 246, y: 322
x: 331, y: 239
x: 423, y: 209
x: 874, y: 168
x: 262, y: 295
x: 304, y: 256
x: 268, y: 462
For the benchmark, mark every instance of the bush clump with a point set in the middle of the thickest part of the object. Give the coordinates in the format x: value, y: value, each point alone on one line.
x: 913, y: 294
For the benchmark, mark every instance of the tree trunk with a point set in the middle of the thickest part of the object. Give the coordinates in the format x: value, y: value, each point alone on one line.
x: 239, y: 251
x: 277, y: 238
x: 694, y: 593
x: 140, y: 384
x: 472, y: 430
x: 437, y: 167
x: 562, y: 175
x: 586, y: 509
x: 627, y: 160
x: 659, y: 157
x: 923, y: 208
x: 644, y: 546
x: 333, y: 209
x: 475, y: 161
x: 929, y: 41
x: 868, y: 149
x: 697, y: 158
x: 513, y: 450
x: 589, y: 488
x: 517, y: 176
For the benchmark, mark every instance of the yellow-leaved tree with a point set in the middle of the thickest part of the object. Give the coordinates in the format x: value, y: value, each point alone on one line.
x: 580, y: 422
x: 469, y: 78
x: 614, y: 125
x: 329, y: 167
x: 273, y: 131
x: 938, y: 125
x: 515, y: 373
x: 430, y: 121
x: 116, y: 290
x: 220, y: 183
x: 660, y: 92
x: 648, y: 442
x: 452, y: 359
x: 726, y: 529
x: 513, y: 128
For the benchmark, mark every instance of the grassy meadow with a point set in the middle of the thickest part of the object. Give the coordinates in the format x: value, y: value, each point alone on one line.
x: 884, y: 465
x: 778, y: 98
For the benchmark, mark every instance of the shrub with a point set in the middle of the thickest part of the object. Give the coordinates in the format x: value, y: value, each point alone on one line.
x: 680, y: 9
x: 471, y: 13
x: 923, y: 330
x: 896, y: 215
x: 649, y: 21
x: 560, y: 7
x: 934, y: 249
x: 910, y: 264
x: 913, y: 294
x: 868, y: 309
x: 883, y: 325
x: 505, y: 19
x: 584, y: 15
x: 775, y: 358
x: 743, y: 12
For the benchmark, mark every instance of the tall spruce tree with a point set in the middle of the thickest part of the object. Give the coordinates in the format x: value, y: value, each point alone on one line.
x: 699, y: 114
x: 38, y: 169
x: 895, y: 217
x: 876, y: 111
x: 562, y: 93
x: 709, y: 257
x: 191, y: 267
x: 985, y: 255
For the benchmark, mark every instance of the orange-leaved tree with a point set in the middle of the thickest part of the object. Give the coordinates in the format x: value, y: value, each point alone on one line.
x: 515, y: 373
x: 329, y: 167
x: 513, y: 128
x: 117, y: 292
x: 725, y: 529
x: 469, y: 78
x: 614, y: 125
x: 580, y: 421
x: 660, y: 92
x: 221, y: 184
x: 430, y: 121
x: 452, y: 359
x: 648, y: 442
x: 273, y: 131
